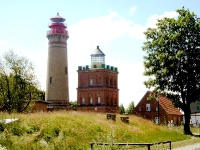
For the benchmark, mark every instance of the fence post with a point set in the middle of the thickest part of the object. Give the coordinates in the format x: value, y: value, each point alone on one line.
x: 148, y: 147
x: 91, y: 146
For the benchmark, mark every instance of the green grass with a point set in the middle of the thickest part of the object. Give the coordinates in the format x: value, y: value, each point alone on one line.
x: 75, y: 130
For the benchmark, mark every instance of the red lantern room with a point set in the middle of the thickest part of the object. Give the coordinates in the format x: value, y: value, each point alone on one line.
x: 57, y: 26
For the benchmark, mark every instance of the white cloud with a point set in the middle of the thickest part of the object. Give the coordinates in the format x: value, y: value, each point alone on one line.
x: 131, y: 82
x: 3, y: 42
x: 103, y: 29
x: 132, y: 10
x: 137, y: 31
x: 87, y: 34
x: 99, y: 30
x: 152, y: 20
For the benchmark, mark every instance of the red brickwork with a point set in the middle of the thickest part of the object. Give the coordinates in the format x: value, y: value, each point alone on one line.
x: 109, y: 109
x: 98, y: 90
x: 167, y: 111
x: 40, y: 106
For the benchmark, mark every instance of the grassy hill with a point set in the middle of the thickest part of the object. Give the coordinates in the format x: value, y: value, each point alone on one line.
x: 75, y: 130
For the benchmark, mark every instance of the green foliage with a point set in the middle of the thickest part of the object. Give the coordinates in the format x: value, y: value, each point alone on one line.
x: 18, y: 83
x: 130, y: 108
x: 2, y: 126
x: 121, y: 109
x: 73, y: 105
x: 173, y: 60
x: 49, y: 133
x: 31, y: 129
x: 75, y: 130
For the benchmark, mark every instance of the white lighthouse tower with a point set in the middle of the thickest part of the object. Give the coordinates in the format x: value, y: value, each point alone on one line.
x: 57, y: 89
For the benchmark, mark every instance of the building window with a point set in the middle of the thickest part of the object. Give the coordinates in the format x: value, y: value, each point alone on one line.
x: 98, y: 80
x: 98, y: 59
x: 198, y: 106
x: 148, y: 107
x: 65, y: 70
x: 140, y: 109
x: 91, y: 82
x: 174, y: 120
x: 50, y: 80
x: 156, y: 108
x: 110, y: 82
x: 157, y: 120
x: 90, y: 100
x: 99, y: 100
x: 83, y: 100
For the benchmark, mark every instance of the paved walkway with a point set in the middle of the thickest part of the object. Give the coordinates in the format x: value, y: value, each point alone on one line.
x: 189, y: 147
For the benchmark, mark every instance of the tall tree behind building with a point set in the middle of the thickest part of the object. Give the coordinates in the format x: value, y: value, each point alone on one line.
x: 18, y: 83
x: 121, y: 109
x: 130, y: 108
x: 172, y: 60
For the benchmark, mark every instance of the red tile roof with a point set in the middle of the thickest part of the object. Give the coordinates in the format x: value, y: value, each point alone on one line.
x: 167, y: 105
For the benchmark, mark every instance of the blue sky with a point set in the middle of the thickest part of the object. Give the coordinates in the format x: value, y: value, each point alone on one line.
x: 116, y: 26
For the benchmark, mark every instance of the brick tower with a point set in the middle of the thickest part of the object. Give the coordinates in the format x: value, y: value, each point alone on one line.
x: 98, y: 85
x: 57, y: 91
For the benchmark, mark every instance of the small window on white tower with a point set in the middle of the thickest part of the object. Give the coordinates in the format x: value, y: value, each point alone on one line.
x: 99, y: 100
x: 90, y: 100
x: 91, y: 82
x: 65, y: 70
x: 50, y: 80
x: 83, y: 100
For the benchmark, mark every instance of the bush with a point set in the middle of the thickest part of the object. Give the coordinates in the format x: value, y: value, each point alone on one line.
x: 32, y: 129
x: 130, y: 108
x: 121, y: 109
x: 2, y: 127
x: 50, y: 132
x: 16, y: 129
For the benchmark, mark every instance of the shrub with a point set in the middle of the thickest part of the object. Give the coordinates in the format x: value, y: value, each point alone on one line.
x: 49, y: 132
x: 16, y: 129
x: 2, y: 126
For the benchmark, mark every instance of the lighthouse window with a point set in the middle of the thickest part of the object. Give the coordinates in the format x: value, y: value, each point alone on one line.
x: 50, y: 80
x: 65, y: 70
x: 98, y: 59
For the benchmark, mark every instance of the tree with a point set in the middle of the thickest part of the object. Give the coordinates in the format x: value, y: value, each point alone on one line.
x: 121, y: 109
x: 18, y: 84
x: 73, y: 105
x: 173, y: 60
x: 130, y: 108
